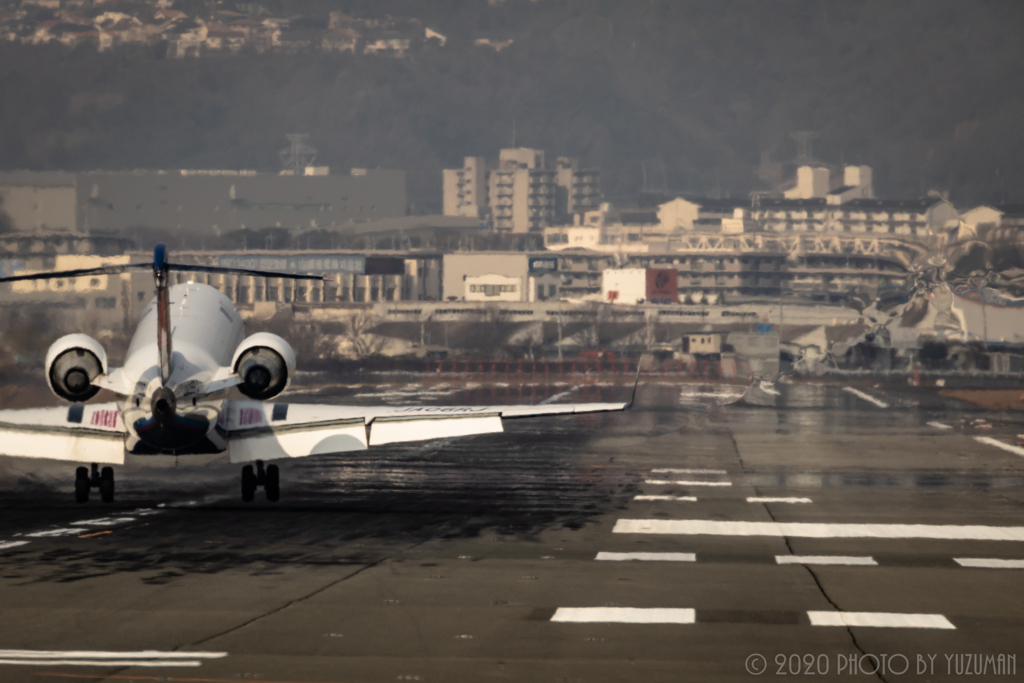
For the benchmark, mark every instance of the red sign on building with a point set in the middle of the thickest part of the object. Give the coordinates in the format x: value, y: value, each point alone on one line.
x: 662, y: 286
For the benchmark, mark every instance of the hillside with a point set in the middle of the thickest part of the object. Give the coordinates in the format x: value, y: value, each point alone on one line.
x: 688, y: 94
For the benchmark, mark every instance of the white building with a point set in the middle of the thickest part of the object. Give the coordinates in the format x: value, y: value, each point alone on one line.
x: 811, y: 182
x: 495, y: 276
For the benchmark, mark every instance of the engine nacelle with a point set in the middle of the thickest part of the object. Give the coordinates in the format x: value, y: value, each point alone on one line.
x: 266, y: 363
x: 72, y: 363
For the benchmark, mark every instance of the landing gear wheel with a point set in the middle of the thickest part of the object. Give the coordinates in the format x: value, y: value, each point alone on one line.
x: 248, y: 484
x: 107, y: 485
x: 272, y: 485
x: 82, y: 485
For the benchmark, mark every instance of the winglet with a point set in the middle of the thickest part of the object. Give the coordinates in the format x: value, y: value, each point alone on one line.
x: 636, y: 381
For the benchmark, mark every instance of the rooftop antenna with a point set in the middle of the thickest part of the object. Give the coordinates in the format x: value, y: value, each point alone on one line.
x: 513, y: 132
x: 299, y: 155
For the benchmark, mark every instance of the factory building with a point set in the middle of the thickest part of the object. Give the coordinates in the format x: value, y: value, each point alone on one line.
x: 200, y: 202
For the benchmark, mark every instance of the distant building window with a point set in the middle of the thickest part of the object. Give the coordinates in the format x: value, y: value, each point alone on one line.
x: 106, y: 302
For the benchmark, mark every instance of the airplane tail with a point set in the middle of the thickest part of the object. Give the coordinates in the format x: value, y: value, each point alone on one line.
x: 161, y: 269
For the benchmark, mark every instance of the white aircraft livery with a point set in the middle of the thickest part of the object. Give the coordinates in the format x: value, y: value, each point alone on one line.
x: 188, y: 350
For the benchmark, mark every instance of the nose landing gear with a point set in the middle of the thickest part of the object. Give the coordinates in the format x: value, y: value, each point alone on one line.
x: 269, y: 479
x: 102, y: 480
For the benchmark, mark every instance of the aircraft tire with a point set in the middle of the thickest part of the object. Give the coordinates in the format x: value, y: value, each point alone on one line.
x: 107, y: 484
x: 272, y: 485
x: 248, y: 484
x: 82, y: 490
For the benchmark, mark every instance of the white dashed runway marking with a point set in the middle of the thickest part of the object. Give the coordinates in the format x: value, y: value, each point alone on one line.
x: 688, y: 499
x: 988, y: 563
x: 53, y: 533
x: 694, y: 471
x: 879, y: 619
x: 666, y: 482
x: 625, y: 615
x: 757, y: 499
x: 647, y: 557
x: 693, y: 527
x: 105, y: 521
x: 939, y: 425
x: 826, y: 560
x: 867, y: 397
x: 93, y: 658
x: 4, y: 545
x: 1016, y: 450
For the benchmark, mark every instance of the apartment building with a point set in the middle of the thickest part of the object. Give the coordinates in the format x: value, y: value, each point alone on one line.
x: 520, y: 192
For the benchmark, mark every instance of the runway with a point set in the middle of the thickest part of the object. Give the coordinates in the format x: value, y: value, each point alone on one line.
x: 664, y: 544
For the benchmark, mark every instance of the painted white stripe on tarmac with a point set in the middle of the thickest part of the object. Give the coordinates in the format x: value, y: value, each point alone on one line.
x: 693, y: 527
x: 625, y: 615
x: 697, y: 471
x: 105, y: 521
x: 688, y: 499
x: 939, y: 425
x: 757, y: 499
x: 53, y: 533
x: 1016, y: 450
x: 827, y: 559
x: 102, y: 662
x: 688, y: 483
x: 866, y: 397
x: 4, y: 545
x: 105, y: 655
x: 880, y: 619
x: 647, y: 557
x: 989, y: 563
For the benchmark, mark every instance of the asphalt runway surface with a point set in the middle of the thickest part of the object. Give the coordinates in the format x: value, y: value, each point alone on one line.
x: 680, y: 541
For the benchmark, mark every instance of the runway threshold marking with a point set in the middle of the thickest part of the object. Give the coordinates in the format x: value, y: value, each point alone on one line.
x: 763, y: 499
x: 988, y: 563
x: 852, y: 560
x: 867, y: 397
x: 1016, y: 450
x: 663, y: 482
x: 625, y: 615
x: 880, y: 620
x: 648, y: 557
x: 693, y: 527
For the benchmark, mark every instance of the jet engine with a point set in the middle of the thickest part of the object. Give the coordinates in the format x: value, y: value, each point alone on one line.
x: 265, y: 362
x: 72, y: 364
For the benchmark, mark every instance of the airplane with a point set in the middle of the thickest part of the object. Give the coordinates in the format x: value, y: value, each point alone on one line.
x: 188, y: 350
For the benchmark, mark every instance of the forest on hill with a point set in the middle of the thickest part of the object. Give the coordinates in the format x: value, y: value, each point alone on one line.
x: 684, y: 96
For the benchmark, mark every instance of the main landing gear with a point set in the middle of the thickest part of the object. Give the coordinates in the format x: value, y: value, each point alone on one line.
x: 102, y: 480
x: 269, y: 479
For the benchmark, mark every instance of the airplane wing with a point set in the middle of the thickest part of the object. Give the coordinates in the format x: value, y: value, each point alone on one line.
x: 80, y: 433
x: 263, y: 431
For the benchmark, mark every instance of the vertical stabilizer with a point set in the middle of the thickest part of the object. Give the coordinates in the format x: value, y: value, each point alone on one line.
x: 163, y: 312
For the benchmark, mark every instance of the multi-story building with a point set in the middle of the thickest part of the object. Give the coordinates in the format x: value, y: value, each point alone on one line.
x: 522, y: 193
x: 466, y: 189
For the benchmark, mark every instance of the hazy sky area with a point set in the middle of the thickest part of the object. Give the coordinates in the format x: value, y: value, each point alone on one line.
x: 691, y: 93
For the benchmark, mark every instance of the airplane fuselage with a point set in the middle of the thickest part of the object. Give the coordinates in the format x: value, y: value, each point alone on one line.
x: 205, y: 331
